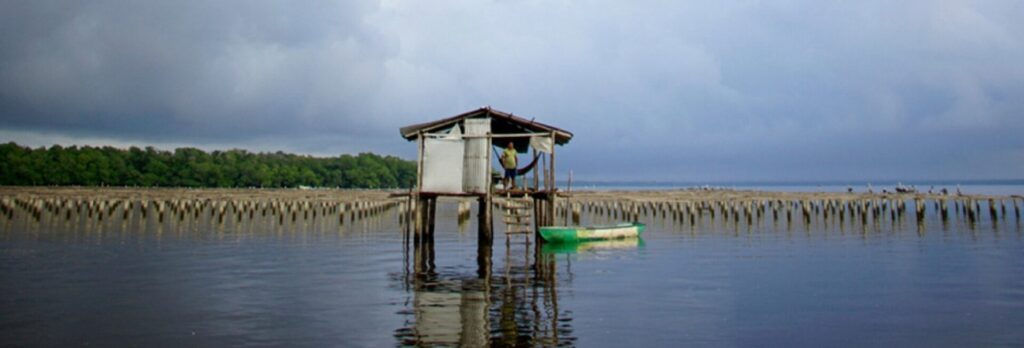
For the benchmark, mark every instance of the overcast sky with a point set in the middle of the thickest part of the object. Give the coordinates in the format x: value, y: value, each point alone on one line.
x: 672, y: 90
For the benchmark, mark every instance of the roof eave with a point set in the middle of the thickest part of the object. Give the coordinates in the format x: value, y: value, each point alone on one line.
x: 411, y: 132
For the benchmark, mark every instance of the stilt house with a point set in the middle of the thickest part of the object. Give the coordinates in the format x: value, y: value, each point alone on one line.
x: 458, y: 156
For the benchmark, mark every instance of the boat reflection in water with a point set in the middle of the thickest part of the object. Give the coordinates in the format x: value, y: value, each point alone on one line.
x: 512, y: 303
x: 593, y: 246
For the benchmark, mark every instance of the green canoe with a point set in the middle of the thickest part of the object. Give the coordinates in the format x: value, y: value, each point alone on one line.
x: 579, y: 233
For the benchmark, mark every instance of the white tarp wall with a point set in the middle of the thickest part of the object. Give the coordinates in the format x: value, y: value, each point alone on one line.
x: 476, y: 174
x: 442, y: 164
x: 542, y: 144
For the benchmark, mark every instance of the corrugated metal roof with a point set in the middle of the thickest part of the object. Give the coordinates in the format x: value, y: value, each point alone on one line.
x: 501, y: 123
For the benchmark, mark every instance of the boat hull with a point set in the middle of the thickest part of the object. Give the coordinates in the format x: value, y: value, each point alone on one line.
x: 583, y: 233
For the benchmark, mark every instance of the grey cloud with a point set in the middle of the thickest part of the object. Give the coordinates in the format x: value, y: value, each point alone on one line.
x: 678, y: 90
x: 188, y: 70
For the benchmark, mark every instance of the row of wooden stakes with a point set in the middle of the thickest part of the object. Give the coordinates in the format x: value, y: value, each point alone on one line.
x: 739, y: 209
x: 970, y: 209
x: 194, y: 208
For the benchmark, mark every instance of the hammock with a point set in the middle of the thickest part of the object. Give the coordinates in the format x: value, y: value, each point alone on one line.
x: 523, y: 170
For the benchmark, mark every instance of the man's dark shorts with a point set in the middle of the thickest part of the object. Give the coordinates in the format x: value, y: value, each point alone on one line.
x: 510, y: 173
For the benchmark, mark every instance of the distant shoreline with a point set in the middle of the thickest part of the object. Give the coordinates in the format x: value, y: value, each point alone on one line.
x: 987, y: 187
x: 747, y: 183
x: 170, y: 193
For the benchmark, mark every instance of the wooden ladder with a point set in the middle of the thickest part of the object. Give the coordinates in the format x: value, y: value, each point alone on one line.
x: 518, y: 215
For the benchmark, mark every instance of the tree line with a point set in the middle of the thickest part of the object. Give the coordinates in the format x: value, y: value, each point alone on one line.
x: 191, y: 167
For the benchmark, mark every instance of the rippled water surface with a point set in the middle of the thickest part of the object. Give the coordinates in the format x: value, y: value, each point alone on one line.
x: 188, y: 282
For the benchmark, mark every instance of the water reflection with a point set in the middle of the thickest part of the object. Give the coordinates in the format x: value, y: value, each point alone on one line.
x: 593, y: 246
x: 513, y: 305
x: 836, y: 279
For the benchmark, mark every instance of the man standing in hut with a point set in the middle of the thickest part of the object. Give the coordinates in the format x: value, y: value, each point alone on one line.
x: 509, y: 161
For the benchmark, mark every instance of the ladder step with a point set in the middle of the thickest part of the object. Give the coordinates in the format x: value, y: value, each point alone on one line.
x: 516, y: 207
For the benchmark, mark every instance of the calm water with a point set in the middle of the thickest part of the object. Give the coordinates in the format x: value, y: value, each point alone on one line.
x: 317, y: 283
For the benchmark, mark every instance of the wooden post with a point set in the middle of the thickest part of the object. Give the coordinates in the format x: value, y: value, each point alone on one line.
x: 484, y: 218
x: 424, y: 244
x: 569, y: 186
x: 418, y: 216
x: 485, y: 237
x: 486, y: 207
x: 552, y: 198
x: 552, y: 166
x: 406, y: 214
x: 419, y: 226
x: 419, y: 163
x: 536, y: 180
x: 431, y: 215
x: 538, y: 217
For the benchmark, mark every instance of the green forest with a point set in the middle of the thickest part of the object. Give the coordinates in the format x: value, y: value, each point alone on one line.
x: 191, y: 167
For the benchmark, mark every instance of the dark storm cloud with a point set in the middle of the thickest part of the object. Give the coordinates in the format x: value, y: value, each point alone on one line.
x: 187, y: 71
x: 673, y: 90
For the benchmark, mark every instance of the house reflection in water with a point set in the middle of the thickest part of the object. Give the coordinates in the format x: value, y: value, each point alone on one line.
x: 515, y: 304
x: 447, y: 313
